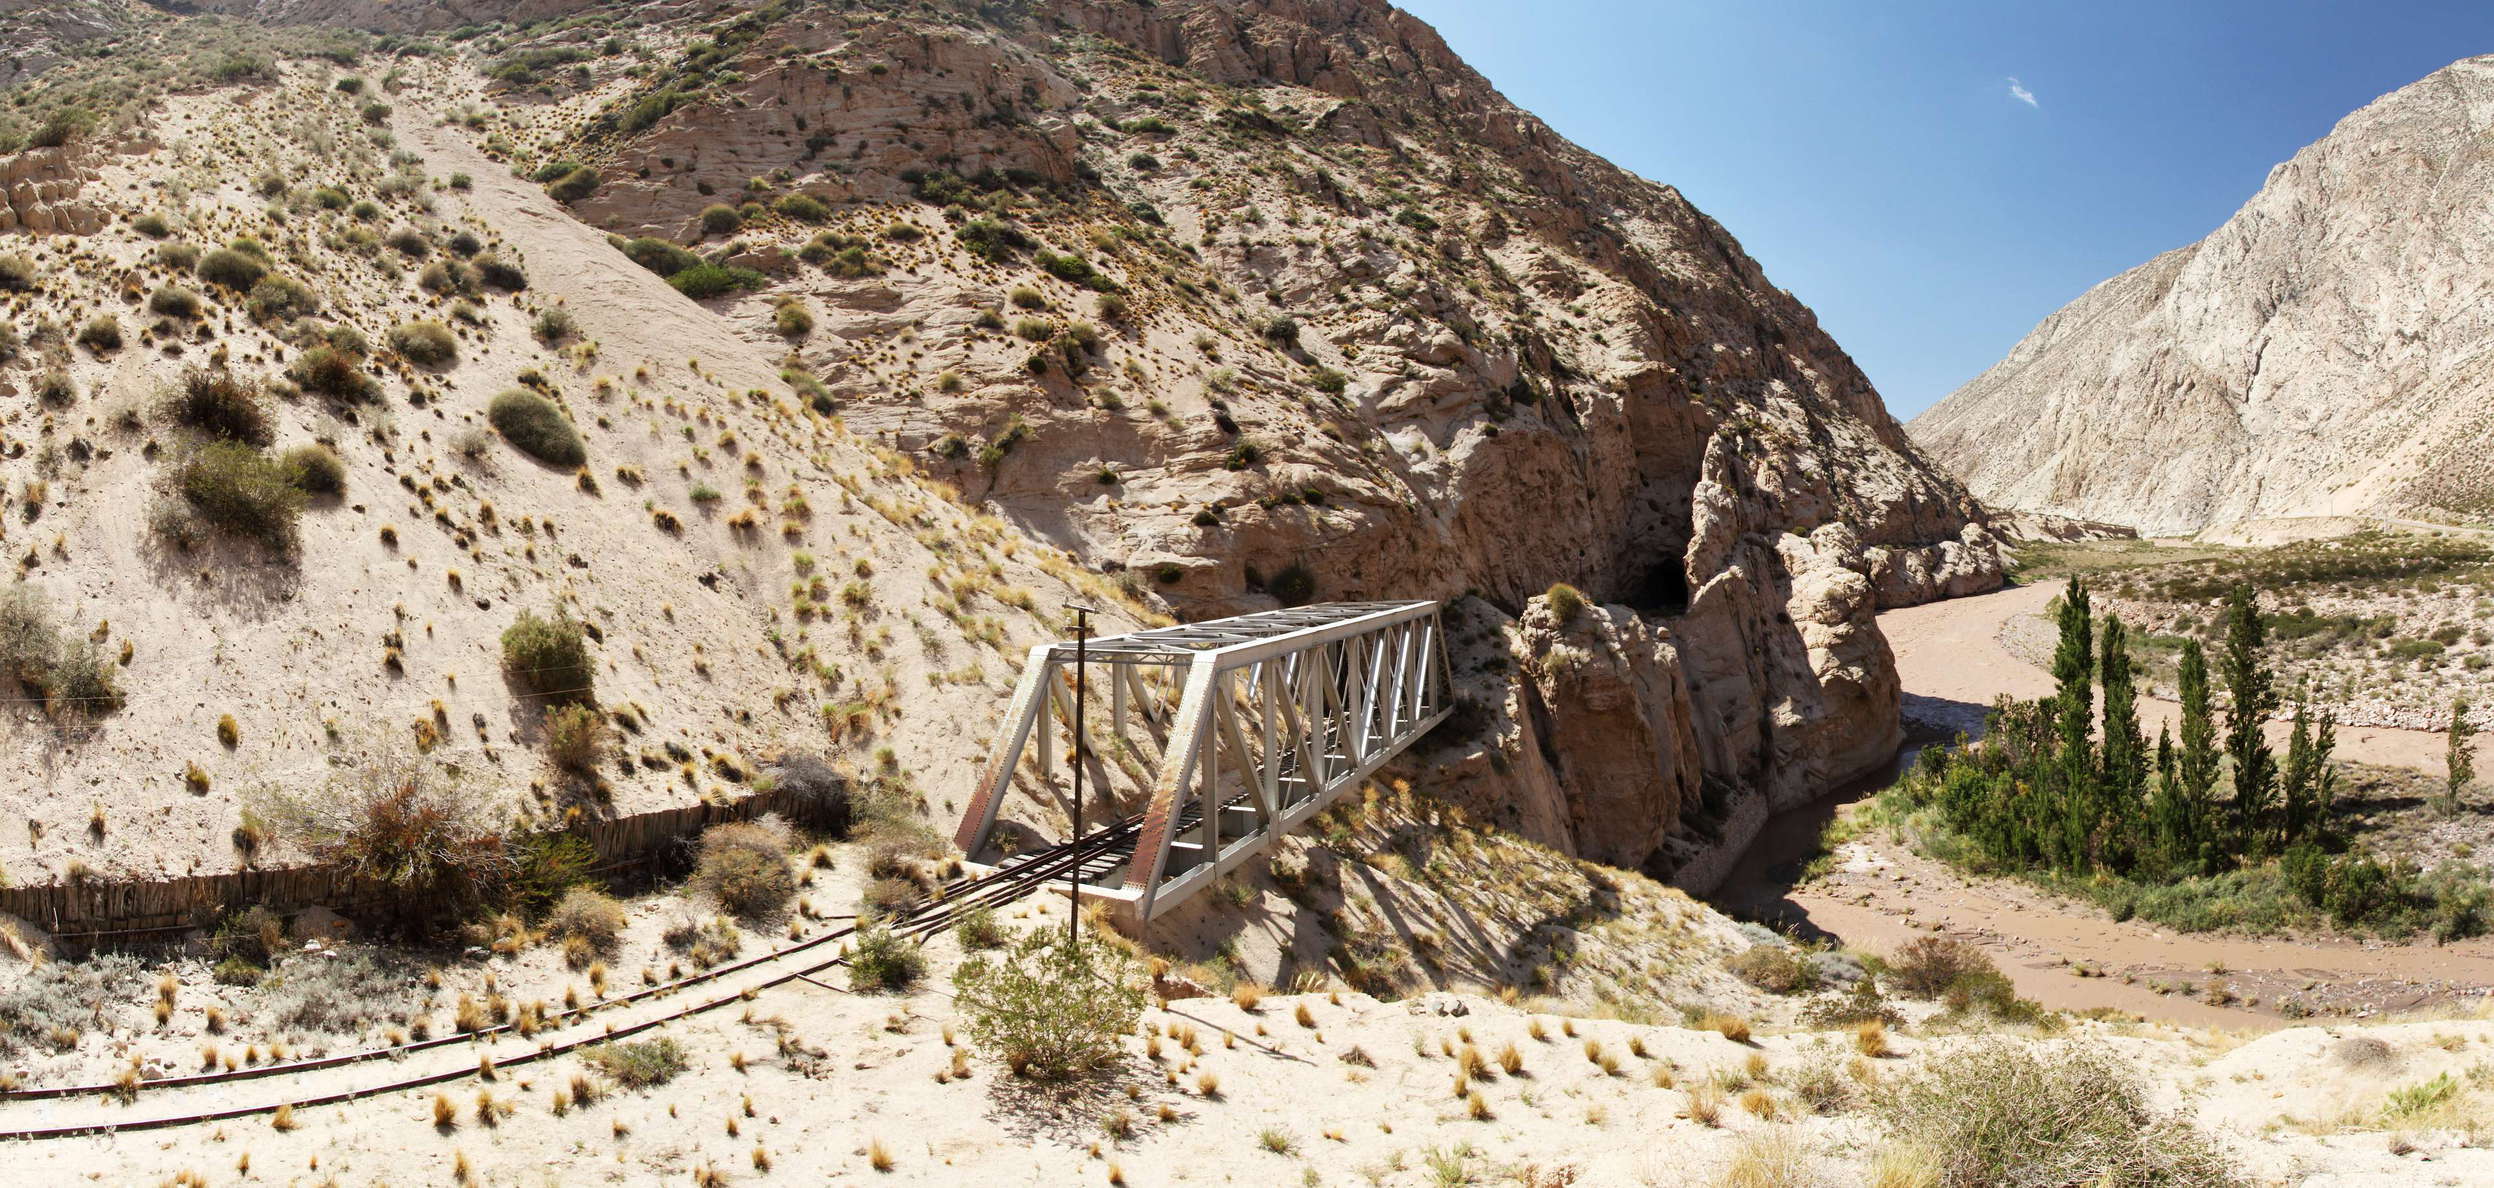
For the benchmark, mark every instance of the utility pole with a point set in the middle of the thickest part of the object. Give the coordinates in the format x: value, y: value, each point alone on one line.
x: 1082, y: 660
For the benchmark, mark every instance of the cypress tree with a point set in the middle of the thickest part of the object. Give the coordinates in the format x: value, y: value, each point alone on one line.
x: 2169, y: 819
x: 2255, y: 696
x: 2121, y: 780
x: 2070, y: 816
x: 2195, y: 763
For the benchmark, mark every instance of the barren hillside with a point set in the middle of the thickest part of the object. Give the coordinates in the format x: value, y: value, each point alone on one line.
x: 2322, y: 353
x: 885, y: 332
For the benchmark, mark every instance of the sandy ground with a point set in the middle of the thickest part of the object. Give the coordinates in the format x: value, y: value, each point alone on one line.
x: 1953, y: 663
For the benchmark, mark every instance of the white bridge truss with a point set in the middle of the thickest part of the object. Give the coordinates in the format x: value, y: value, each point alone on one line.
x: 1277, y: 713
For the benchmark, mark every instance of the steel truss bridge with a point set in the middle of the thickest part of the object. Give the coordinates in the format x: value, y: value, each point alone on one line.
x: 1248, y: 725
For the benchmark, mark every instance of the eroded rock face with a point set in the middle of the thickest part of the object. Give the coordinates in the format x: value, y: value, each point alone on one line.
x: 39, y: 191
x: 2319, y: 354
x: 1379, y: 334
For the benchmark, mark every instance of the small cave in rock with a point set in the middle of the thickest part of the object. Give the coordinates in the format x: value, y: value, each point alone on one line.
x: 1662, y: 591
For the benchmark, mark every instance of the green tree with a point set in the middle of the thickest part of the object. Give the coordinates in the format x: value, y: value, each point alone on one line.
x: 2195, y: 763
x: 2122, y: 773
x: 2254, y: 690
x: 2070, y: 820
x: 2307, y: 782
x: 2460, y: 762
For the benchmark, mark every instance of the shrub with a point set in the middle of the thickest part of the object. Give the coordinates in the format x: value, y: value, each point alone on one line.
x: 1026, y: 297
x: 70, y: 674
x: 316, y: 469
x: 1999, y: 1111
x: 333, y: 372
x: 1774, y: 969
x: 444, y: 277
x: 430, y: 344
x: 174, y: 301
x: 884, y: 962
x: 233, y: 269
x: 638, y: 1065
x: 1566, y: 602
x: 101, y: 333
x: 17, y: 274
x: 990, y: 240
x: 1072, y: 267
x: 537, y: 428
x: 720, y: 219
x: 703, y: 281
x: 819, y: 790
x: 744, y: 868
x: 409, y: 242
x: 1927, y: 966
x: 152, y: 225
x: 55, y: 388
x: 576, y: 737
x: 501, y: 273
x: 803, y: 207
x: 279, y: 298
x: 342, y: 992
x: 399, y: 820
x: 659, y: 256
x: 10, y: 343
x: 590, y: 915
x: 65, y: 124
x: 548, y: 657
x: 237, y: 489
x: 555, y: 325
x: 1050, y: 1007
x: 1295, y: 585
x: 221, y: 404
x: 793, y: 319
x: 979, y: 928
x: 580, y: 182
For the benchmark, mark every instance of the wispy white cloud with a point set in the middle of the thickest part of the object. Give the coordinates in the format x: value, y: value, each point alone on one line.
x: 2018, y: 91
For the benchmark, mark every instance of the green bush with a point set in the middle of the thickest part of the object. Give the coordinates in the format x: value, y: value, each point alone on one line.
x: 17, y: 274
x: 990, y: 239
x: 588, y: 914
x: 317, y: 469
x: 659, y: 256
x: 237, y: 489
x: 537, y: 428
x: 793, y: 319
x: 1050, y: 1007
x: 65, y: 124
x: 1072, y: 267
x: 102, y: 333
x: 180, y: 257
x: 501, y: 273
x: 804, y: 208
x: 720, y: 219
x: 1566, y: 602
x: 69, y: 673
x: 549, y: 657
x: 555, y: 325
x: 221, y: 404
x: 2004, y: 1111
x: 884, y: 962
x: 333, y: 372
x: 174, y: 301
x: 430, y: 344
x: 703, y: 281
x: 280, y: 300
x: 640, y: 1064
x: 445, y: 277
x: 744, y: 869
x: 576, y: 737
x: 580, y: 182
x: 233, y: 269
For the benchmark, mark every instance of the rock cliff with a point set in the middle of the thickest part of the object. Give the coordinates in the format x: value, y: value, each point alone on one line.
x: 2322, y: 353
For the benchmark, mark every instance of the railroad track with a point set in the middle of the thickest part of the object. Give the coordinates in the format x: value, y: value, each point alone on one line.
x: 85, y: 1109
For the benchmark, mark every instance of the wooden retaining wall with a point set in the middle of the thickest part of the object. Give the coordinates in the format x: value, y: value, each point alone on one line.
x: 97, y: 911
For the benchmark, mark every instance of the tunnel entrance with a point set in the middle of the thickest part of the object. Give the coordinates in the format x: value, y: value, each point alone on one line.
x: 1662, y: 590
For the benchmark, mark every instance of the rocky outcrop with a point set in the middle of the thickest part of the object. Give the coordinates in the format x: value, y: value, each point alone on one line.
x: 2322, y: 353
x: 1379, y: 333
x: 39, y: 191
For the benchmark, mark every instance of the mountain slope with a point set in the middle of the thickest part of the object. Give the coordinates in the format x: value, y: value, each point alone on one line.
x: 1194, y: 307
x: 2324, y: 352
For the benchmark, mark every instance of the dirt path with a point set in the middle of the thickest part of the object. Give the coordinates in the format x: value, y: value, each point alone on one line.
x: 1952, y: 663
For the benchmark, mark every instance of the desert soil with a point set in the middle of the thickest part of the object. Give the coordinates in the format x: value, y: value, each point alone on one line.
x: 1953, y: 660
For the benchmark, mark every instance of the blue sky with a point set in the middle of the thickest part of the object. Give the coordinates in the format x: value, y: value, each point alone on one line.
x: 1877, y: 159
